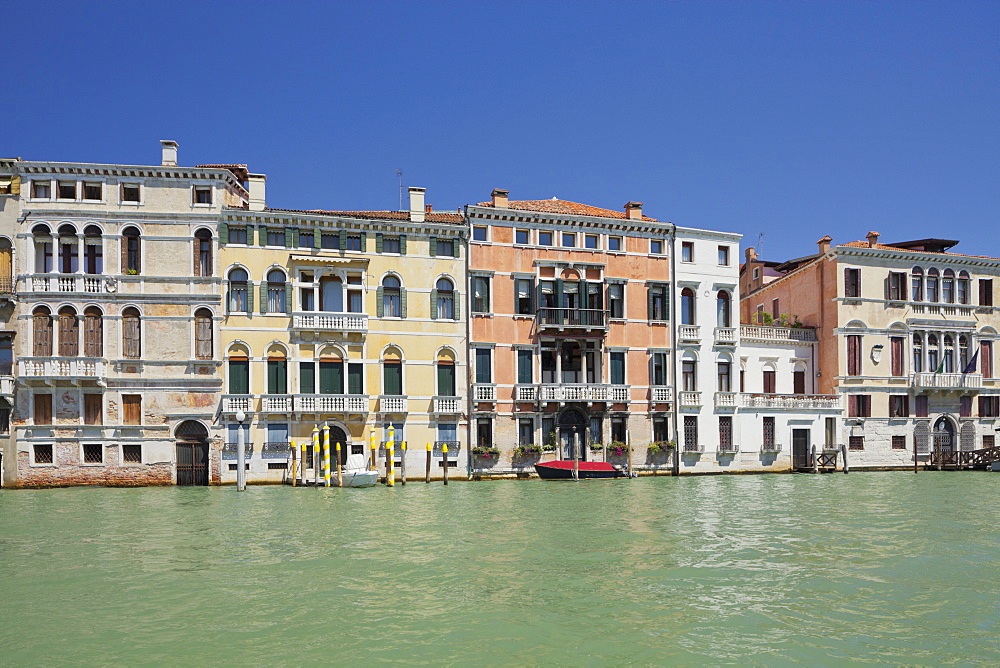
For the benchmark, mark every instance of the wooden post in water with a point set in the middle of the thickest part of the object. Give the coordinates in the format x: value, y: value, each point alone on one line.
x: 302, y: 460
x: 402, y: 464
x: 629, y: 441
x: 294, y: 461
x: 843, y: 451
x: 914, y: 455
x: 340, y: 471
x: 326, y: 455
x: 815, y: 460
x: 427, y: 477
x: 390, y: 475
x: 444, y: 453
x: 576, y: 458
x: 316, y: 464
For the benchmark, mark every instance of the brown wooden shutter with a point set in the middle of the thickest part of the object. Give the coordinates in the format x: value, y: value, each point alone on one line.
x: 896, y: 355
x: 853, y: 355
x: 921, y: 405
x: 799, y: 382
x: 197, y: 256
x: 130, y: 336
x: 92, y: 409
x: 986, y: 359
x: 132, y: 408
x: 93, y: 336
x: 43, y: 409
x: 769, y: 383
x: 203, y: 337
x: 847, y: 282
x: 42, y: 335
x: 69, y: 335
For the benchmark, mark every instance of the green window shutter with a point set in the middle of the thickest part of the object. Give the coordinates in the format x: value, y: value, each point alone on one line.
x: 378, y: 242
x: 288, y: 297
x: 250, y: 234
x: 364, y: 241
x: 379, y: 306
x: 432, y: 249
x: 523, y: 366
x: 343, y: 240
x: 454, y: 247
x: 277, y: 377
x: 249, y: 297
x: 392, y: 376
x: 402, y: 302
x: 446, y: 380
x: 355, y: 378
x: 402, y: 244
x: 617, y: 368
x: 559, y: 300
x: 239, y: 377
x: 317, y: 238
x: 290, y: 237
x: 307, y: 377
x: 331, y: 377
x: 223, y: 233
x: 456, y: 309
x: 649, y: 304
x: 434, y: 304
x: 263, y: 296
x: 262, y: 235
x: 532, y: 298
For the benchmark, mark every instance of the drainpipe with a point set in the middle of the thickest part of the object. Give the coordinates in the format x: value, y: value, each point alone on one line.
x: 468, y: 343
x: 675, y: 469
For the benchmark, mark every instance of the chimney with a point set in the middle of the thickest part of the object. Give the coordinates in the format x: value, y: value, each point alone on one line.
x: 500, y: 196
x: 824, y: 244
x: 633, y: 210
x: 417, y: 210
x: 168, y: 149
x: 255, y: 183
x: 872, y: 239
x: 750, y: 254
x: 428, y: 208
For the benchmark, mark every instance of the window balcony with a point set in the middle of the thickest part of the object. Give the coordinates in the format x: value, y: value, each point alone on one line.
x: 729, y: 448
x: 277, y: 450
x: 764, y: 333
x: 791, y: 401
x: 6, y: 287
x: 692, y: 447
x: 447, y: 405
x: 725, y: 336
x: 559, y: 319
x: 526, y: 392
x: 453, y: 447
x: 392, y: 403
x: 770, y: 447
x: 229, y: 450
x: 725, y: 400
x: 564, y: 392
x: 233, y: 403
x: 330, y: 322
x: 947, y: 381
x: 484, y: 392
x: 690, y: 399
x: 62, y: 368
x: 71, y: 283
x: 331, y: 403
x: 661, y: 395
x: 619, y: 394
x: 276, y: 403
x: 689, y: 333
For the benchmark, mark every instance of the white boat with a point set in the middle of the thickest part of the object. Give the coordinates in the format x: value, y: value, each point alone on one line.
x: 357, y: 474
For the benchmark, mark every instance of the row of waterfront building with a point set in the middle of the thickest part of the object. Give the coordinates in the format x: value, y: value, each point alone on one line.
x: 147, y: 309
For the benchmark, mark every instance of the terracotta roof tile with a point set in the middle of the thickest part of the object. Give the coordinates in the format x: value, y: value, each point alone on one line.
x: 432, y: 217
x: 864, y: 244
x: 565, y: 207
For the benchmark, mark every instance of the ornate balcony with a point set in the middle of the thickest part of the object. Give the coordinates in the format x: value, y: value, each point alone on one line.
x: 453, y: 447
x: 229, y: 450
x: 525, y: 392
x: 71, y: 283
x: 661, y: 395
x: 51, y: 369
x: 947, y: 381
x: 725, y: 336
x: 331, y: 403
x: 276, y: 403
x: 689, y: 333
x: 447, y: 405
x: 330, y: 322
x: 559, y: 319
x: 619, y: 394
x: 791, y: 401
x: 725, y: 400
x: 763, y: 333
x: 564, y: 392
x: 690, y: 399
x: 392, y: 403
x: 484, y: 392
x: 233, y: 403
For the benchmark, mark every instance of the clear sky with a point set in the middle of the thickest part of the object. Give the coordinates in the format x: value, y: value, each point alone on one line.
x: 791, y: 119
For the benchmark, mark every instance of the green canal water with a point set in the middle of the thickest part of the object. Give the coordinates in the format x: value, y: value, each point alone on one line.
x: 769, y: 569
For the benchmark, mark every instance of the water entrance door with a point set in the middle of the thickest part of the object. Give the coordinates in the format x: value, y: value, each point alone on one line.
x: 800, y: 449
x: 337, y: 435
x: 192, y: 454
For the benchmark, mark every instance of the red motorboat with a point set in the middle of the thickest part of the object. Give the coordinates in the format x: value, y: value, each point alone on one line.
x: 563, y: 470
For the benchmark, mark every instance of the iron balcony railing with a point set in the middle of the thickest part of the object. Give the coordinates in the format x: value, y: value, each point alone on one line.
x: 453, y: 447
x: 277, y: 450
x: 573, y: 317
x: 728, y: 447
x: 692, y: 447
x: 770, y: 447
x: 229, y: 450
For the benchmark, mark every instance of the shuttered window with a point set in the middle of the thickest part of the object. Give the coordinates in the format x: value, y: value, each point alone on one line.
x: 93, y: 333
x: 852, y: 282
x: 899, y: 406
x: 920, y: 405
x: 799, y: 382
x: 69, y: 333
x: 524, y: 366
x: 769, y: 382
x: 854, y: 355
x: 484, y: 370
x: 355, y: 378
x: 239, y: 375
x: 202, y: 253
x: 131, y: 334
x: 896, y: 355
x: 132, y: 408
x: 392, y: 377
x: 203, y: 334
x: 446, y: 379
x: 41, y: 336
x: 986, y: 292
x: 307, y: 377
x: 331, y: 377
x: 130, y: 261
x: 92, y: 409
x: 617, y: 368
x: 986, y: 358
x: 43, y: 409
x: 277, y: 376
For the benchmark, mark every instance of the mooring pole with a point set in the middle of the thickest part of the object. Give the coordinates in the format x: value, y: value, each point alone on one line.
x: 294, y: 462
x: 402, y: 464
x: 390, y: 475
x: 326, y: 455
x: 843, y: 451
x: 316, y: 463
x: 340, y: 471
x: 371, y: 446
x: 427, y: 477
x: 815, y: 460
x: 914, y: 455
x: 444, y: 459
x: 302, y: 460
x: 576, y: 458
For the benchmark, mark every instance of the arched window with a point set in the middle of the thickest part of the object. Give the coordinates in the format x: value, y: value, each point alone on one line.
x: 43, y: 249
x: 69, y: 332
x: 390, y: 298
x: 239, y: 370
x: 130, y: 251
x: 277, y: 300
x: 933, y: 352
x: 962, y: 287
x: 687, y: 306
x: 918, y: 353
x: 277, y: 371
x: 723, y: 307
x: 963, y: 352
x: 392, y: 372
x: 69, y: 250
x: 93, y: 332
x: 948, y: 287
x: 239, y: 291
x: 446, y: 374
x: 41, y: 332
x: 949, y: 354
x: 443, y: 300
x: 932, y: 284
x: 6, y: 267
x: 131, y: 334
x: 917, y: 284
x: 202, y: 253
x: 93, y: 250
x: 203, y: 344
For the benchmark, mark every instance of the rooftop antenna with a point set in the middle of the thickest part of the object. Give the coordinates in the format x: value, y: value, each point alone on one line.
x: 760, y: 244
x: 400, y: 175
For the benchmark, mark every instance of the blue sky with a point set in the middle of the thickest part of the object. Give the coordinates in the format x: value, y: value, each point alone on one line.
x: 791, y: 119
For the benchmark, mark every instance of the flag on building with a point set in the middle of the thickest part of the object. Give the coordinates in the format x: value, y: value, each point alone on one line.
x: 940, y: 368
x: 971, y: 368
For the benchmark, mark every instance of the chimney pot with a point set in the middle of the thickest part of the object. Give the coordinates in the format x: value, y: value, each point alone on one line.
x: 255, y: 185
x: 500, y: 198
x: 168, y: 152
x: 824, y: 245
x: 872, y: 239
x: 634, y: 210
x: 428, y: 208
x: 751, y: 254
x: 417, y: 210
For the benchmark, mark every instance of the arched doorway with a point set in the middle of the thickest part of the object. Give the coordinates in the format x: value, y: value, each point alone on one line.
x: 338, y: 435
x: 573, y: 434
x: 192, y: 453
x: 944, y: 439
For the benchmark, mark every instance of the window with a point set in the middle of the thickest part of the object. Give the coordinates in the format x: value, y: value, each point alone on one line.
x: 93, y: 332
x: 591, y: 241
x: 619, y: 429
x: 569, y: 240
x: 775, y: 309
x: 131, y: 409
x: 93, y: 453
x: 447, y: 432
x: 130, y: 251
x: 896, y: 355
x: 306, y: 239
x: 446, y: 378
x: 237, y: 234
x: 522, y: 237
x: 352, y: 242
x: 856, y: 443
x: 918, y: 353
x: 525, y: 431
x: 656, y: 246
x: 43, y: 249
x: 93, y: 191
x: 658, y: 301
x: 484, y: 432
x: 615, y: 244
x: 920, y: 405
x: 962, y: 287
x: 899, y: 406
x: 544, y: 238
x: 277, y: 375
x: 899, y: 443
x: 659, y: 376
x: 525, y: 367
x: 131, y: 334
x: 986, y: 292
x: 852, y: 282
x: 687, y: 307
x: 725, y: 376
x: 41, y: 332
x: 723, y: 308
x: 484, y: 365
x: 66, y: 190
x: 203, y: 334
x: 69, y: 332
x: 617, y: 364
x: 756, y: 273
x: 768, y: 435
x: 917, y: 284
x: 392, y: 377
x: 854, y: 355
x: 130, y: 192
x: 479, y: 233
x: 239, y: 292
x: 798, y: 382
x: 202, y: 195
x: 42, y: 409
x: 239, y: 375
x: 277, y: 298
x: 948, y: 286
x: 43, y: 453
x: 769, y: 381
x: 965, y: 406
x: 986, y: 359
x: 443, y: 300
x: 203, y: 253
x: 989, y: 441
x: 661, y: 429
x: 725, y: 432
x: 723, y: 256
x: 932, y: 285
x: 687, y: 251
x: 524, y: 296
x: 69, y: 250
x: 132, y: 453
x: 689, y: 379
x: 328, y: 240
x: 392, y: 244
x: 830, y: 432
x: 616, y: 300
x: 896, y: 286
x: 391, y: 298
x: 93, y: 250
x: 447, y: 247
x: 690, y: 432
x: 41, y: 189
x: 989, y: 406
x: 859, y: 405
x: 480, y: 294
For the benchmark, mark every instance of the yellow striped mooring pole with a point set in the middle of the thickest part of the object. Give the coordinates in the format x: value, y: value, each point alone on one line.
x: 390, y: 474
x: 371, y: 446
x: 427, y: 477
x: 340, y: 472
x: 294, y: 470
x: 326, y: 455
x: 402, y: 464
x: 302, y: 460
x: 444, y: 459
x: 315, y: 456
